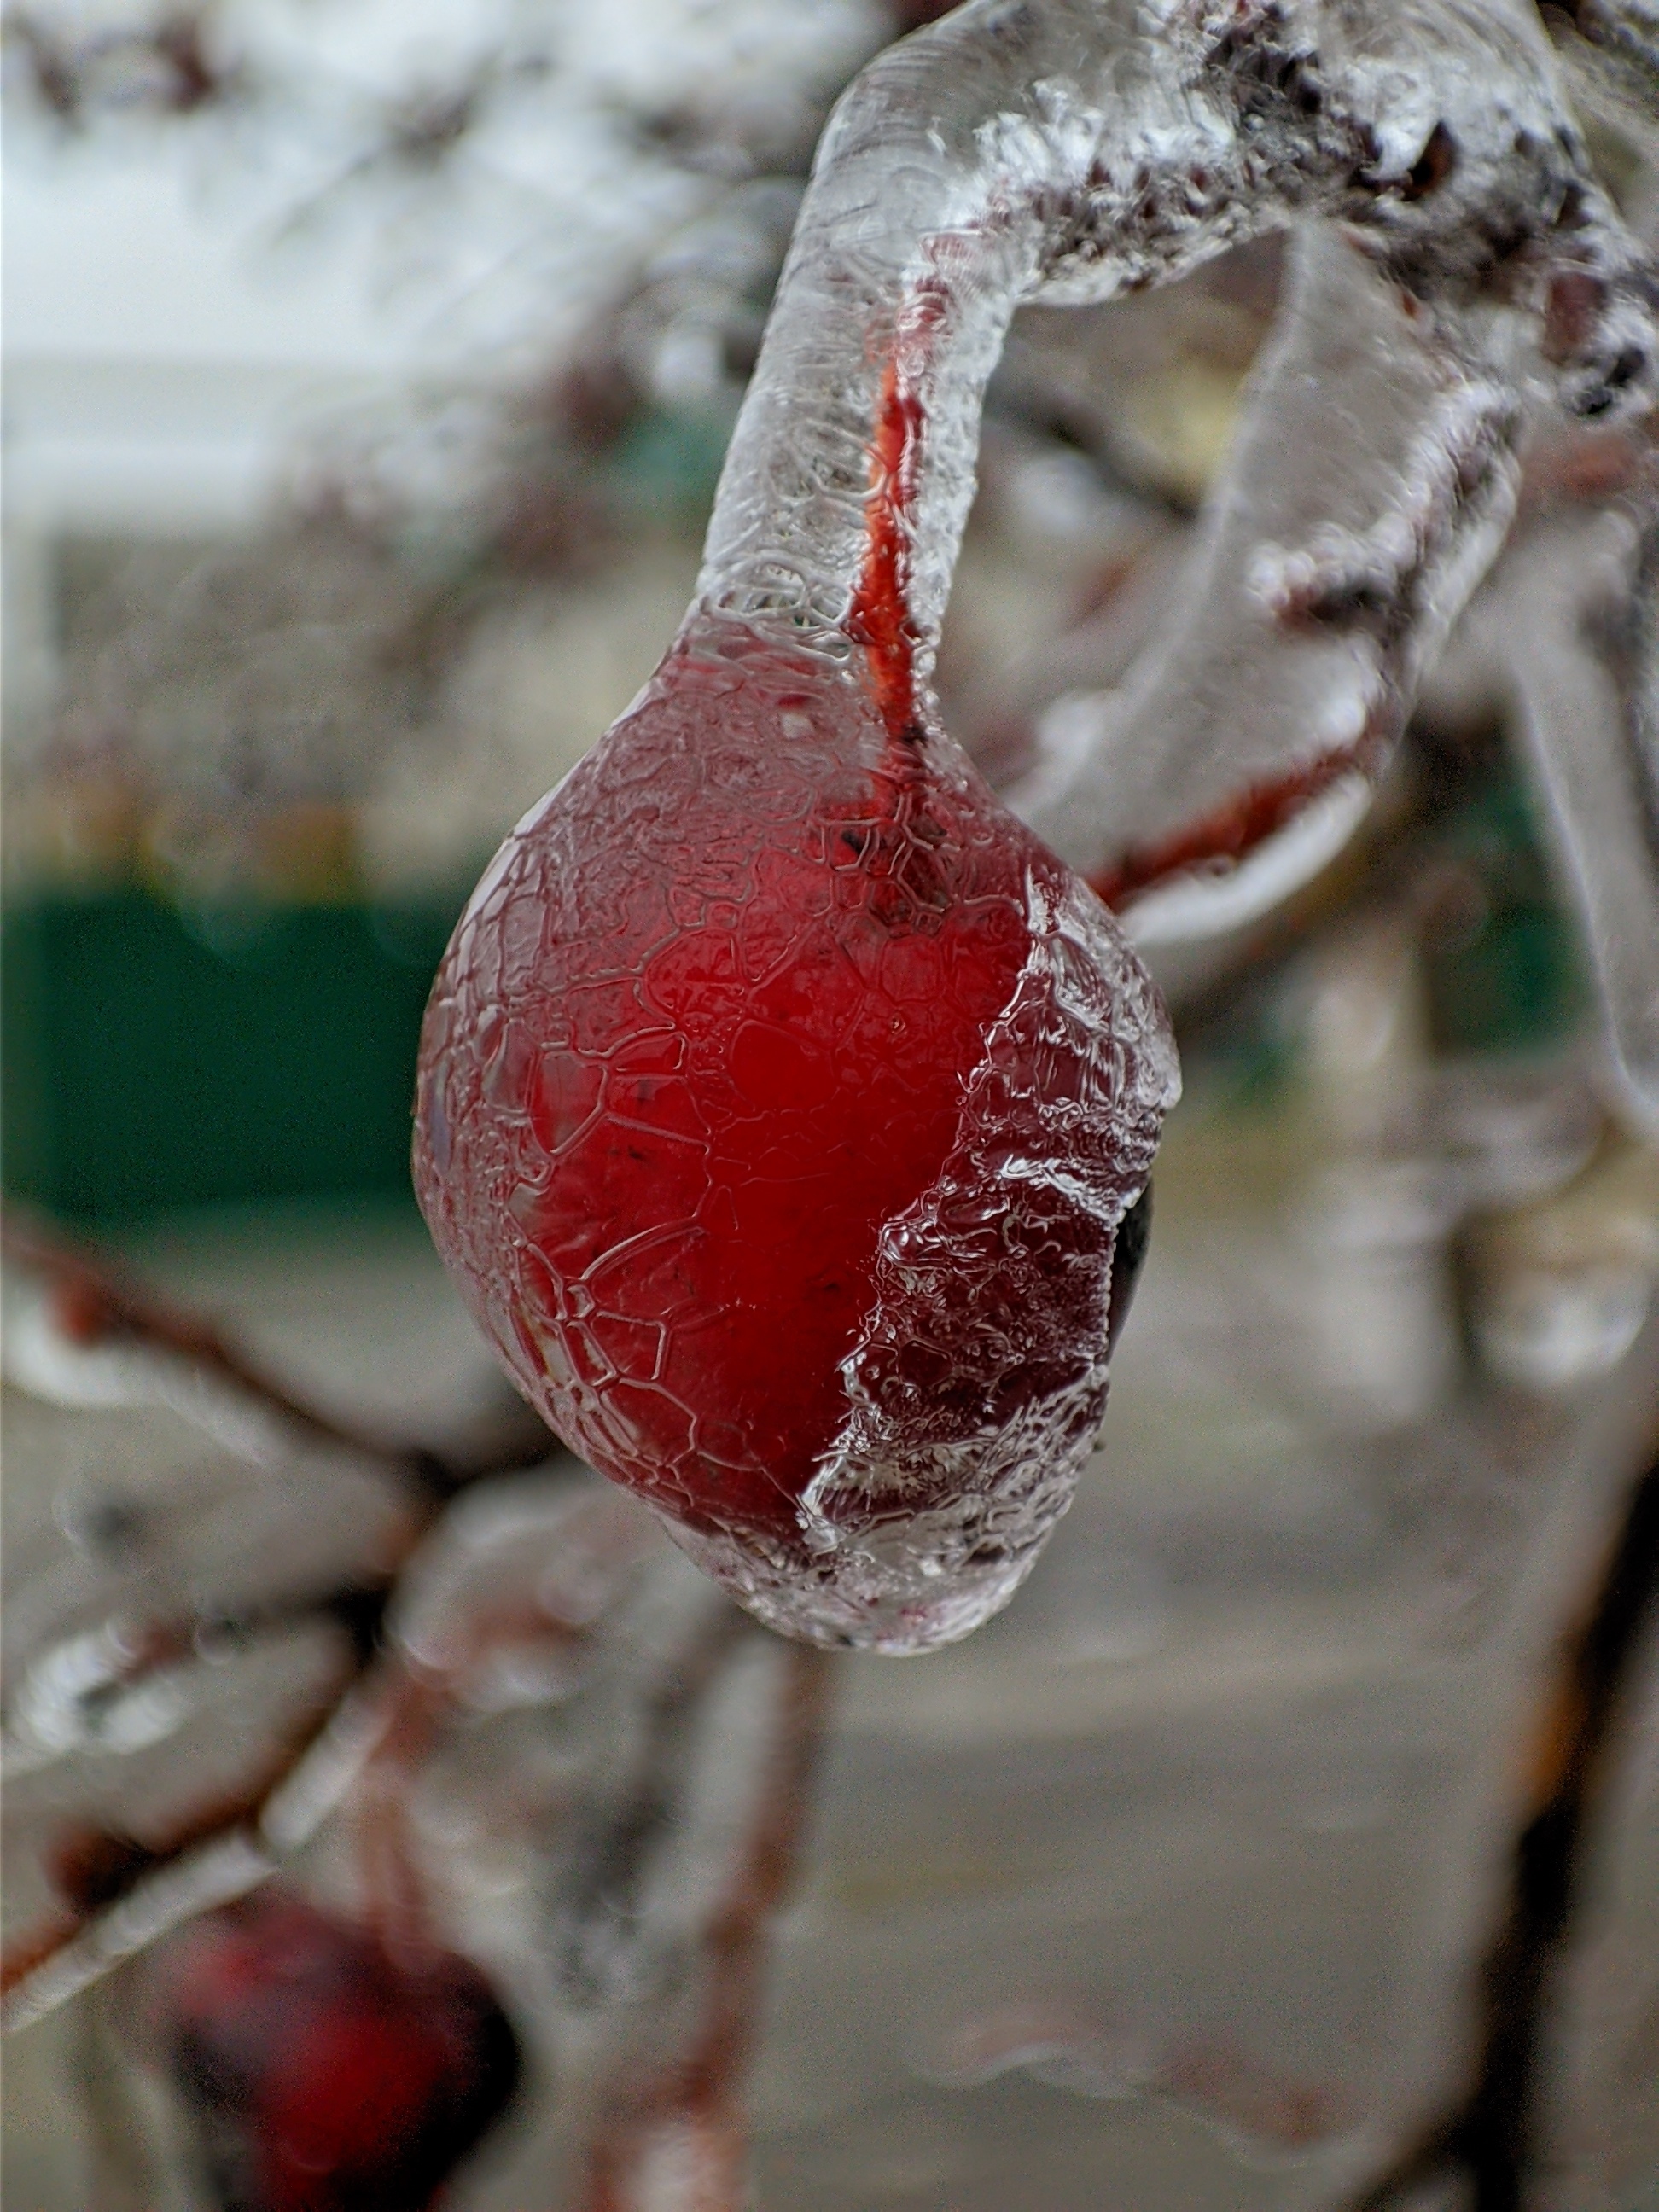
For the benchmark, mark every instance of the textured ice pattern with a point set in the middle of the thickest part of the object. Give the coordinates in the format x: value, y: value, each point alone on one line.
x: 979, y: 1380
x: 780, y: 1098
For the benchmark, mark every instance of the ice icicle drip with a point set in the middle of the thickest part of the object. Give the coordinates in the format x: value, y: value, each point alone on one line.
x: 781, y: 1096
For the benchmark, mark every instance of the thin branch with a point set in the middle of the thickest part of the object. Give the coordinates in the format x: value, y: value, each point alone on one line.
x: 692, y: 2104
x: 600, y: 1894
x: 105, y: 1877
x: 121, y: 1892
x: 419, y: 1696
x: 1491, y: 2135
x: 101, y: 1873
x: 735, y: 1940
x: 135, y: 1651
x: 369, y: 1733
x: 95, y: 1306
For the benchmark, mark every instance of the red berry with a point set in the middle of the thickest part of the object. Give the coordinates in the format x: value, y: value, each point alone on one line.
x: 323, y: 2075
x: 780, y: 1098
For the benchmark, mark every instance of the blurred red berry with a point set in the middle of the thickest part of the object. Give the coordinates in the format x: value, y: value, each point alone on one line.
x: 324, y: 2074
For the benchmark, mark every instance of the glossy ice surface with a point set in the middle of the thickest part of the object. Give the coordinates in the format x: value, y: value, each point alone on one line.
x: 781, y: 1096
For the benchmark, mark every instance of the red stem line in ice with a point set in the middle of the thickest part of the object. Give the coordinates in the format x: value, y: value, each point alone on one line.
x: 880, y: 618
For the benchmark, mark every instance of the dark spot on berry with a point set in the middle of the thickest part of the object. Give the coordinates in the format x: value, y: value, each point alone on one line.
x: 1129, y: 1247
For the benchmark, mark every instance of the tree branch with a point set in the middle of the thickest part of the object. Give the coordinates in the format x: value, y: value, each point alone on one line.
x: 120, y: 1891
x: 95, y: 1306
x: 1490, y: 2137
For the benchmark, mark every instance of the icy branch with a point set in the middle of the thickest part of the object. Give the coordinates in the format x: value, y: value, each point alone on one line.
x: 1624, y: 36
x: 1072, y: 152
x: 1371, y: 485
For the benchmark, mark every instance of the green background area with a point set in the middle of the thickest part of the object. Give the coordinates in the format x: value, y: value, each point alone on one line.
x: 1518, y: 979
x: 157, y: 1057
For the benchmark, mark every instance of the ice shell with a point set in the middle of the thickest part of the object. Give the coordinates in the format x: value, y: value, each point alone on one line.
x: 793, y: 1096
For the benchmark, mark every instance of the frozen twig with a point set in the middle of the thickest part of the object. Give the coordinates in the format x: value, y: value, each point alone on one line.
x: 675, y: 2140
x: 1577, y: 723
x: 1068, y: 155
x: 600, y: 1903
x: 94, y: 1307
x: 1563, y: 637
x: 1372, y: 483
x: 365, y: 1738
x: 1490, y: 2136
x: 119, y: 1892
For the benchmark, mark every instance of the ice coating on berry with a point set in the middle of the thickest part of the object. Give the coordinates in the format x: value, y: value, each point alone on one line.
x: 780, y: 1098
